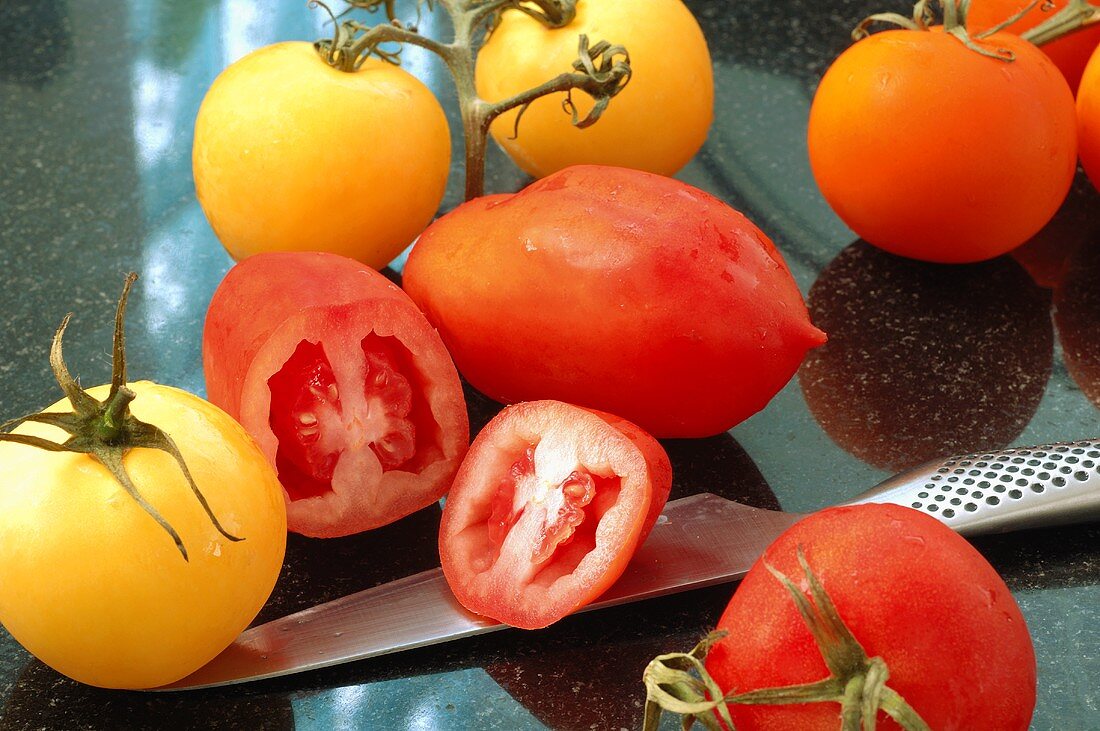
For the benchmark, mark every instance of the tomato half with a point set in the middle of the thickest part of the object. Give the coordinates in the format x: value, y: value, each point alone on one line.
x: 614, y: 289
x: 95, y: 588
x: 929, y: 149
x: 345, y: 386
x: 912, y: 592
x: 547, y: 510
x: 657, y: 123
x: 291, y: 154
x: 1069, y: 53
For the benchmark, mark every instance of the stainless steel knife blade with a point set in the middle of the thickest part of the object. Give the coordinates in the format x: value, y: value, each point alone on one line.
x: 698, y: 541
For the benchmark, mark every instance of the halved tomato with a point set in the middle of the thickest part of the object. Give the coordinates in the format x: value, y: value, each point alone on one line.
x: 547, y: 509
x: 342, y: 382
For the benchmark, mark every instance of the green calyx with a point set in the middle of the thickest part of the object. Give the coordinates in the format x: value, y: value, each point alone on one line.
x: 106, y: 430
x: 954, y: 24
x: 679, y: 682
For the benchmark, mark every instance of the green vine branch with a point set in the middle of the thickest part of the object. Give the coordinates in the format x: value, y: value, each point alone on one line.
x: 1075, y: 16
x: 679, y: 682
x: 601, y: 70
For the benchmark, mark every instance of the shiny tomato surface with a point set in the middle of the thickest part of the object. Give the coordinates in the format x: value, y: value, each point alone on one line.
x: 614, y: 289
x: 547, y: 510
x: 341, y: 381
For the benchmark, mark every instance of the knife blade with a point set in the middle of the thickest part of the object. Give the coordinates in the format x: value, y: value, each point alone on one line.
x: 698, y: 541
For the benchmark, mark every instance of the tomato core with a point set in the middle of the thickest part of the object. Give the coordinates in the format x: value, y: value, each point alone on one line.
x: 571, y: 509
x: 315, y: 423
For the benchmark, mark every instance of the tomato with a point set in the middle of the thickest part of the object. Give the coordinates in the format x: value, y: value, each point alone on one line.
x: 657, y: 123
x: 547, y: 510
x: 910, y: 591
x: 291, y: 154
x: 95, y: 588
x: 1088, y: 120
x: 928, y: 149
x: 615, y: 289
x: 1069, y: 53
x: 344, y: 385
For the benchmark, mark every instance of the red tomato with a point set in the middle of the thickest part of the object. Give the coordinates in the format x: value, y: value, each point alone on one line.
x: 341, y: 381
x: 1069, y: 53
x: 931, y: 150
x: 615, y: 289
x: 1088, y: 120
x: 547, y: 510
x: 912, y: 592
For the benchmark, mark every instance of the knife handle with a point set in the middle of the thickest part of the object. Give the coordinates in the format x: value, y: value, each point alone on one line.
x: 1000, y: 491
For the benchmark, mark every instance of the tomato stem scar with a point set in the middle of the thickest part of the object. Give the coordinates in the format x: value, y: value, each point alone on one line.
x: 106, y: 430
x: 601, y: 70
x: 679, y: 682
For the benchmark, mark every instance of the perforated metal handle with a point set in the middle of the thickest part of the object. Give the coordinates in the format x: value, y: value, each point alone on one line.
x: 1010, y: 489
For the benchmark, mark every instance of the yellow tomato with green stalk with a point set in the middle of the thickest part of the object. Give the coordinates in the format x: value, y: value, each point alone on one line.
x: 141, y: 529
x: 656, y: 123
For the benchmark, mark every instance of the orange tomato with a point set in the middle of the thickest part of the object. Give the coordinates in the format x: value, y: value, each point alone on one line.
x: 928, y: 149
x: 1069, y: 53
x: 1088, y: 119
x: 657, y: 123
x: 291, y: 154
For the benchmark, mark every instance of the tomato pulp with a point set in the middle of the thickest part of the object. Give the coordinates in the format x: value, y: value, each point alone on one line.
x: 547, y: 510
x: 345, y: 386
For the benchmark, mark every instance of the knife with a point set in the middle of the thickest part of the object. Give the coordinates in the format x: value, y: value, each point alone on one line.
x: 698, y: 541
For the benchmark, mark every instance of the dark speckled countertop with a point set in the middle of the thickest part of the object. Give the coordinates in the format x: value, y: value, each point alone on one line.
x: 97, y: 100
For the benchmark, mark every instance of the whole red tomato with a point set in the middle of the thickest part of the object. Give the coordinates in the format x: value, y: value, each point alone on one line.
x: 911, y: 592
x: 1088, y: 119
x: 343, y: 384
x: 618, y: 290
x: 547, y: 510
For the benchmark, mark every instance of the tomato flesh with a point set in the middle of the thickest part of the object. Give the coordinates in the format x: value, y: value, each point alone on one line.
x: 566, y: 506
x: 314, y: 427
x: 547, y: 510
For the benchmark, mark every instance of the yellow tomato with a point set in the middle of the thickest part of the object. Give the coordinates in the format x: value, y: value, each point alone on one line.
x: 1088, y: 119
x: 95, y: 588
x: 291, y: 154
x: 657, y: 123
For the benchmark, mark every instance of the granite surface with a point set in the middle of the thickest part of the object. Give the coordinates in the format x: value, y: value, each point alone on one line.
x: 97, y: 99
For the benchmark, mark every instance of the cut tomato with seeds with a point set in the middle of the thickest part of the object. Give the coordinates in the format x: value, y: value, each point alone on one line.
x: 343, y: 383
x: 547, y: 510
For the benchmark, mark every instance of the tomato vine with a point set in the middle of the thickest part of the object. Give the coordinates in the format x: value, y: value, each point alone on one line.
x: 601, y: 70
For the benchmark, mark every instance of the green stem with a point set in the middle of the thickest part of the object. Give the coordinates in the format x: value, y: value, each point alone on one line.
x: 115, y: 411
x: 601, y: 72
x: 1077, y: 15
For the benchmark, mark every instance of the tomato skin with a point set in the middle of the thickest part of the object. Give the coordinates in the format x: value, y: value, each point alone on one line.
x: 618, y: 290
x: 1070, y: 53
x: 285, y: 158
x: 96, y: 589
x: 651, y: 125
x: 902, y: 146
x: 510, y: 590
x: 1088, y: 120
x: 270, y: 303
x: 912, y: 592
